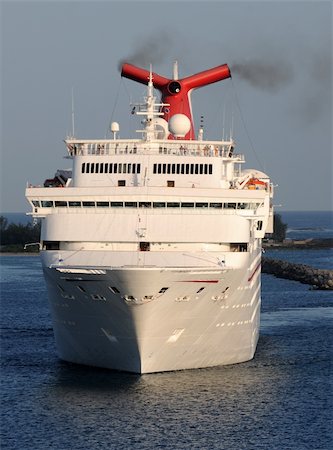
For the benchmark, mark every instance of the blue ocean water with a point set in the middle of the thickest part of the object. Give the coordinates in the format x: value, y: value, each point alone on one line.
x: 282, y: 399
x: 307, y: 225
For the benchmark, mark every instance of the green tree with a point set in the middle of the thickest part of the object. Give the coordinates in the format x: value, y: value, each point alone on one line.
x: 13, y: 236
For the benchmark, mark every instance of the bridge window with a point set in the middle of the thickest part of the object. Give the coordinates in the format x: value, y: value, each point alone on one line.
x: 173, y: 205
x: 159, y: 205
x: 47, y: 203
x: 103, y: 204
x: 144, y: 205
x: 74, y: 204
x: 60, y: 203
x: 131, y: 205
x: 117, y: 204
x: 88, y: 204
x: 215, y: 205
x: 187, y: 205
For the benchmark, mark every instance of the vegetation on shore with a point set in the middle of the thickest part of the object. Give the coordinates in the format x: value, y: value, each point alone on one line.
x: 14, y: 237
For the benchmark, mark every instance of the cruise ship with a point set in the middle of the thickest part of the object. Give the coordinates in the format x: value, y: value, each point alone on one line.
x: 151, y: 247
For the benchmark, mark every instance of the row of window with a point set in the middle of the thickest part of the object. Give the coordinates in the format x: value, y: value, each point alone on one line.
x: 188, y: 169
x: 183, y: 169
x: 110, y: 168
x: 104, y: 204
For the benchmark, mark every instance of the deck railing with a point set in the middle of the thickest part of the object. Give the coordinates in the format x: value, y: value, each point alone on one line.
x: 118, y: 147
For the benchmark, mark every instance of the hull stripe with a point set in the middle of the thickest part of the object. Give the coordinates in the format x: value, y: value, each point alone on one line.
x: 255, y: 270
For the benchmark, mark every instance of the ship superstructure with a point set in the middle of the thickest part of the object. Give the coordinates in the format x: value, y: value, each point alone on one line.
x: 151, y: 247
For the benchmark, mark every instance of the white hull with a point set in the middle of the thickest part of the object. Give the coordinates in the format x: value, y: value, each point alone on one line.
x: 180, y: 328
x: 151, y: 247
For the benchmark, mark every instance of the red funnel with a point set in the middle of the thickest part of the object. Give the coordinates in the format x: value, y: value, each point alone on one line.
x: 177, y: 92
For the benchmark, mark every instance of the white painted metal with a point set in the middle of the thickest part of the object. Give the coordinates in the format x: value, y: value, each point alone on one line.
x: 170, y: 283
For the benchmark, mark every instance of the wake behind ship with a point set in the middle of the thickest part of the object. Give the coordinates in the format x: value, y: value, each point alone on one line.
x: 151, y: 247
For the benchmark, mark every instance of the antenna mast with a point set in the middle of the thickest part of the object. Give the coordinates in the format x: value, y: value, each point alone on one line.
x: 73, y: 116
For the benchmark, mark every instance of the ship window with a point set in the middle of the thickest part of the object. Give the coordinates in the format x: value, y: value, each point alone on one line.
x: 88, y: 204
x: 51, y: 245
x: 74, y: 204
x: 196, y: 169
x: 131, y: 205
x: 192, y: 169
x: 163, y: 290
x: 201, y: 205
x: 92, y: 168
x: 230, y: 205
x: 187, y: 169
x: 80, y: 288
x: 183, y: 168
x: 144, y: 205
x: 259, y: 225
x: 158, y: 205
x: 35, y: 203
x: 120, y: 167
x: 83, y: 168
x: 61, y: 289
x: 169, y: 168
x: 200, y: 290
x: 121, y: 183
x: 155, y: 168
x: 138, y: 168
x: 129, y: 168
x: 144, y: 246
x: 159, y: 167
x: 103, y: 204
x: 88, y: 168
x: 60, y: 203
x: 170, y: 183
x: 216, y: 205
x: 114, y: 290
x: 97, y: 297
x: 206, y: 168
x: 201, y: 169
x: 97, y: 167
x: 110, y: 168
x: 164, y: 168
x: 106, y: 167
x: 187, y: 205
x: 178, y: 168
x: 173, y: 168
x: 116, y: 204
x: 242, y: 205
x: 47, y: 204
x: 124, y: 168
x: 115, y: 168
x: 173, y: 205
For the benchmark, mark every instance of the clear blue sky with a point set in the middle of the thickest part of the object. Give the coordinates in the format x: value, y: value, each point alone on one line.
x: 285, y: 48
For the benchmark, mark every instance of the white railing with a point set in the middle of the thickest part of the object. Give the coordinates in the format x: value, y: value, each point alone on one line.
x: 178, y: 148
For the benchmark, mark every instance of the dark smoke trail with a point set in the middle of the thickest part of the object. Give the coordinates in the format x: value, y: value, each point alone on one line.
x: 269, y: 76
x: 151, y: 50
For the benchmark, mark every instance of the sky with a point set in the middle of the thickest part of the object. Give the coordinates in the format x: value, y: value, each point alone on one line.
x: 278, y: 103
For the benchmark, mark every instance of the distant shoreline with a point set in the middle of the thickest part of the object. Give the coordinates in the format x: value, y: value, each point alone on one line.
x: 297, y: 244
x: 19, y: 253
